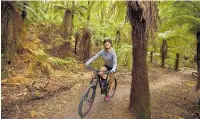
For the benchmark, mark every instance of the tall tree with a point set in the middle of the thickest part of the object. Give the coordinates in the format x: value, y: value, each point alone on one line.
x: 198, y: 59
x: 140, y: 16
x: 13, y: 30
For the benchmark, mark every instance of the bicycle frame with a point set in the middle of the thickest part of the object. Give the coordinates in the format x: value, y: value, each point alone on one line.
x: 98, y: 79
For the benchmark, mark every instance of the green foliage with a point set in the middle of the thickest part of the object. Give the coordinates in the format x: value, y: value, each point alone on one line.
x: 40, y: 66
x: 124, y: 55
x: 58, y: 61
x: 106, y: 17
x: 43, y: 13
x: 180, y: 22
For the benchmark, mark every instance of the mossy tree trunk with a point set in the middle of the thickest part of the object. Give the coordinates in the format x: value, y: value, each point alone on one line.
x: 66, y: 31
x: 77, y: 39
x: 85, y: 45
x: 84, y: 36
x: 12, y: 30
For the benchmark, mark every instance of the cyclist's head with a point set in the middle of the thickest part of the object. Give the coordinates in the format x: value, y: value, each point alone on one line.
x: 107, y: 43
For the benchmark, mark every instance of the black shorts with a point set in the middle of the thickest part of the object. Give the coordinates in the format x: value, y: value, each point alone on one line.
x: 108, y: 68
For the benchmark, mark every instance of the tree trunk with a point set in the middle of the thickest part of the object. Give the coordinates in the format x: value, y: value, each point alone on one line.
x: 198, y: 82
x: 176, y: 61
x: 163, y: 52
x: 77, y: 39
x: 163, y: 61
x: 85, y: 45
x: 62, y: 50
x: 117, y: 37
x: 66, y: 29
x: 139, y: 103
x: 153, y: 30
x: 198, y: 59
x: 102, y: 13
x: 13, y: 30
x: 151, y: 56
x: 89, y: 12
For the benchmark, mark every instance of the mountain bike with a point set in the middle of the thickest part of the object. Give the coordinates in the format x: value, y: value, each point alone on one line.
x: 88, y: 95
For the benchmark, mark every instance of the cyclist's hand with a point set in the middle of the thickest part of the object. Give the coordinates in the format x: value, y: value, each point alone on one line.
x: 111, y: 71
x: 86, y: 64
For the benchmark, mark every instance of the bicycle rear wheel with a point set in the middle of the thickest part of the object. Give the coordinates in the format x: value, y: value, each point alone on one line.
x: 86, y: 101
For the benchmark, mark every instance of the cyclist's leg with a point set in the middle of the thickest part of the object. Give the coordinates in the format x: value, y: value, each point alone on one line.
x: 103, y: 75
x: 112, y: 84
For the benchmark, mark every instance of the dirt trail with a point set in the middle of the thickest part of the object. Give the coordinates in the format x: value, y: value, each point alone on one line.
x: 172, y: 96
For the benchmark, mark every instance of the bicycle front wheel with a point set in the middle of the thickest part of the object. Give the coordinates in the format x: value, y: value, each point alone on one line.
x: 86, y: 101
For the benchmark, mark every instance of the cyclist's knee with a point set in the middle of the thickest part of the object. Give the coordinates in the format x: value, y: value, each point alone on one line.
x: 103, y: 75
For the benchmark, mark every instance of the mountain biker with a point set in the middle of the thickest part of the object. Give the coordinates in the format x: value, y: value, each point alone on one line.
x: 110, y: 59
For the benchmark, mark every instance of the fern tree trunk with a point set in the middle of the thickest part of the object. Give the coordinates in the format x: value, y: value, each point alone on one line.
x: 176, y: 63
x: 163, y: 52
x: 85, y: 45
x: 66, y: 32
x: 117, y: 37
x: 85, y: 40
x: 77, y: 39
x: 139, y: 103
x: 13, y: 30
x: 151, y: 56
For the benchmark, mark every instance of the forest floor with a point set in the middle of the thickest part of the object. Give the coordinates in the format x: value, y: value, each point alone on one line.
x: 173, y: 96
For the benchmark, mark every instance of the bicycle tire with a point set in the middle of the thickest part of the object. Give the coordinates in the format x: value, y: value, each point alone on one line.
x: 83, y: 98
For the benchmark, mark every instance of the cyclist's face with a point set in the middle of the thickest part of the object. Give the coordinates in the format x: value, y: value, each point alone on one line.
x: 107, y: 45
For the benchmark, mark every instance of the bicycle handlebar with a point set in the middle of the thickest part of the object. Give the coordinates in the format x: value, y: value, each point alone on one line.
x: 97, y: 71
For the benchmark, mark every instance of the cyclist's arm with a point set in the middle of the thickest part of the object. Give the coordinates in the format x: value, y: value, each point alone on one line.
x: 115, y: 62
x: 93, y: 58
